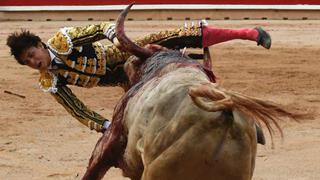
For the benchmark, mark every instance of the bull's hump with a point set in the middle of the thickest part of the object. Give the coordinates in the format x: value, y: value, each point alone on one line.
x: 174, y: 82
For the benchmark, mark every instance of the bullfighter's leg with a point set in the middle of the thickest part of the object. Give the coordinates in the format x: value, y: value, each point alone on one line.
x: 212, y: 35
x: 202, y: 35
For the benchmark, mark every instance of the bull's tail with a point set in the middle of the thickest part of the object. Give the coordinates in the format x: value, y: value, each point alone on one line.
x: 220, y: 99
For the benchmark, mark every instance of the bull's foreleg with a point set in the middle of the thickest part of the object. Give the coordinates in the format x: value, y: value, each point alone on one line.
x: 105, y: 155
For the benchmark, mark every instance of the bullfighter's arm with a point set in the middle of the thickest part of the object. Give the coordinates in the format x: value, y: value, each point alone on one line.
x: 68, y: 37
x: 78, y: 110
x: 57, y: 87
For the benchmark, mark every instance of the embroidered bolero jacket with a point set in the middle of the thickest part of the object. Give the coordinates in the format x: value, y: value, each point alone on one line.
x: 88, y: 63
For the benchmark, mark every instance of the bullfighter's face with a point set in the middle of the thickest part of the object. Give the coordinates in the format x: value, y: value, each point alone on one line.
x: 36, y: 57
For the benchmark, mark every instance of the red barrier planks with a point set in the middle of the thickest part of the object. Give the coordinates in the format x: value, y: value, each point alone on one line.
x: 124, y: 2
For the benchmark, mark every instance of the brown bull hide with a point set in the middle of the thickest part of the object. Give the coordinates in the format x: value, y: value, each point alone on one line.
x: 171, y: 135
x: 174, y: 139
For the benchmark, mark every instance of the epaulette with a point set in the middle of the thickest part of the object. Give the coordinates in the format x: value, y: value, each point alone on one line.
x: 48, y: 82
x: 61, y: 43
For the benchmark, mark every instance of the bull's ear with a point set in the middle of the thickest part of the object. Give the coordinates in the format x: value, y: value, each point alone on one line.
x: 132, y: 68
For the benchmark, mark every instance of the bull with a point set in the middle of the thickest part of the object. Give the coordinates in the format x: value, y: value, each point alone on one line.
x: 175, y: 122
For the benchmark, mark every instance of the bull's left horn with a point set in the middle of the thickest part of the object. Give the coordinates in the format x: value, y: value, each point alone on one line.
x: 125, y: 42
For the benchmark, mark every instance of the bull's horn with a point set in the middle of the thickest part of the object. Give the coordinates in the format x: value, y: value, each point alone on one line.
x: 125, y: 42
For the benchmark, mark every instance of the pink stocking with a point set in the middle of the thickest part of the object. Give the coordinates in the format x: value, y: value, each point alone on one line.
x: 212, y: 35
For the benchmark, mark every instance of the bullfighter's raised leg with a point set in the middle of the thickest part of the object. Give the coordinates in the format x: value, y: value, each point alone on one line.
x: 213, y: 35
x: 202, y: 35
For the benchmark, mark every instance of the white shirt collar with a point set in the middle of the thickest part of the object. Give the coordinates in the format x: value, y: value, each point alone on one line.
x: 54, y: 58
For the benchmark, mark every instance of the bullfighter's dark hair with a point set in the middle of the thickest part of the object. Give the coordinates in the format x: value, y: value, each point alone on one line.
x: 21, y: 41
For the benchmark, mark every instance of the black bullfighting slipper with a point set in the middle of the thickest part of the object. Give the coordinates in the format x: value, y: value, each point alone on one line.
x: 264, y: 38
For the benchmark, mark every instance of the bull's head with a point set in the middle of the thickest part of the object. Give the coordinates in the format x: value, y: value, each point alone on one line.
x: 133, y: 64
x: 141, y: 53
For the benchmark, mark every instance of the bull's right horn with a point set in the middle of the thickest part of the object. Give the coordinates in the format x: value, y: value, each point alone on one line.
x: 125, y: 42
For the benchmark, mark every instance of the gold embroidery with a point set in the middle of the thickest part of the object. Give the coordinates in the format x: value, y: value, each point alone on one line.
x: 59, y: 43
x: 183, y: 31
x: 101, y: 68
x: 80, y: 63
x: 114, y: 56
x: 105, y: 26
x: 83, y: 80
x: 72, y: 78
x: 91, y: 66
x: 93, y: 82
x: 77, y: 32
x: 101, y: 58
x: 98, y: 49
x: 79, y: 49
x: 45, y: 79
x: 69, y: 63
x: 48, y: 81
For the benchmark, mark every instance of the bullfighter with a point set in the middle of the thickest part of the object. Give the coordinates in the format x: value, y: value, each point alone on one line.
x: 73, y: 56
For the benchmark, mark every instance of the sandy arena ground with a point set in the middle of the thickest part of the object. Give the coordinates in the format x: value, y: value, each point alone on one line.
x: 40, y: 140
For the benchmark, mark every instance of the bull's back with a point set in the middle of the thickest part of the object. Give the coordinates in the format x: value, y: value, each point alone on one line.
x: 177, y: 140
